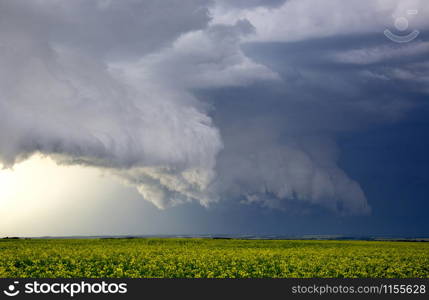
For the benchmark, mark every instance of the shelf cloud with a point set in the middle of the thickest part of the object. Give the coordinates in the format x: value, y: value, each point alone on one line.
x: 178, y: 101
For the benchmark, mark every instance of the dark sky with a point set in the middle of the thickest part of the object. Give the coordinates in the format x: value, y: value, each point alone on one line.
x: 258, y: 117
x: 386, y: 154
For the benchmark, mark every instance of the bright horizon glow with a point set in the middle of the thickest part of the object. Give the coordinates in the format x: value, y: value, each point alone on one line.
x: 37, y: 191
x: 25, y: 181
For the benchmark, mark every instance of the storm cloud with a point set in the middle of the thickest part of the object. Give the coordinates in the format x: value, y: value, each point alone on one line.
x: 203, y: 100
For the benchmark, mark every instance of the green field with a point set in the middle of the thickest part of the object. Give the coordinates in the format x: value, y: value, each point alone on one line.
x: 192, y: 258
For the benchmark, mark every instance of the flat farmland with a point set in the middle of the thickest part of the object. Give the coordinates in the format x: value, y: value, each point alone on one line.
x: 211, y: 258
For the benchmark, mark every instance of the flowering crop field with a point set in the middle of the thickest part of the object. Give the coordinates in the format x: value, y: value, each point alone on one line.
x: 207, y: 258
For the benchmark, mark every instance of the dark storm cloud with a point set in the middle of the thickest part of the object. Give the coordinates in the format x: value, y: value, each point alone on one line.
x: 286, y: 133
x: 169, y: 97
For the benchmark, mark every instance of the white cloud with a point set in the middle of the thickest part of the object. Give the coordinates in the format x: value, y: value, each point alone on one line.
x: 201, y: 59
x: 304, y: 19
x: 59, y: 99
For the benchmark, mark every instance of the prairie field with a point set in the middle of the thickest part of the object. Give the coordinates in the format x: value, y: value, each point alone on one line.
x: 211, y: 258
